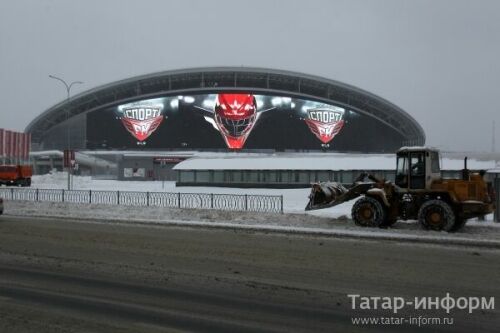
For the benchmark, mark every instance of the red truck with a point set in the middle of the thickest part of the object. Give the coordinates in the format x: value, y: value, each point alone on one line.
x: 16, y: 175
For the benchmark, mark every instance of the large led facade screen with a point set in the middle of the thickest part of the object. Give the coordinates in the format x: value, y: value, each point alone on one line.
x: 225, y: 121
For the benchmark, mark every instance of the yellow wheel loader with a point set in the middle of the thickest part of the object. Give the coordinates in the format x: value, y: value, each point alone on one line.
x: 418, y: 193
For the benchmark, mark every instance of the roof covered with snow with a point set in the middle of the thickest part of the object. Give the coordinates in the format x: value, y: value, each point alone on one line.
x: 315, y: 162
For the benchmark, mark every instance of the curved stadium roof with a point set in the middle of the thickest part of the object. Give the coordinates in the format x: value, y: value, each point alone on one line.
x: 211, y: 79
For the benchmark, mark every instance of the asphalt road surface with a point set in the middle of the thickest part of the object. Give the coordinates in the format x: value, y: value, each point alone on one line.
x: 74, y: 276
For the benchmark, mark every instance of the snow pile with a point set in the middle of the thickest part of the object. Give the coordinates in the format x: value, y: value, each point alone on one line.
x: 58, y: 179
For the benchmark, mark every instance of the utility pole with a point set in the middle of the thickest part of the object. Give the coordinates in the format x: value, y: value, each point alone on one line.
x: 68, y: 138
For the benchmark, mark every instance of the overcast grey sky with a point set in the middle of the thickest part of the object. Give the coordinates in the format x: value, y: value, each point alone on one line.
x: 436, y: 59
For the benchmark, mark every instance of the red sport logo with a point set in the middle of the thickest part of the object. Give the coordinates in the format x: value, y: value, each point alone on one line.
x: 325, y: 123
x: 235, y: 116
x: 141, y: 121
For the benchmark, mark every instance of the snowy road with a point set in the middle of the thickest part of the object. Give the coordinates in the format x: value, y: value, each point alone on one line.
x: 67, y: 275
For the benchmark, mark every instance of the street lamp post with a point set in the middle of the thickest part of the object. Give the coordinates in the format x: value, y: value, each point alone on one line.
x: 68, y: 143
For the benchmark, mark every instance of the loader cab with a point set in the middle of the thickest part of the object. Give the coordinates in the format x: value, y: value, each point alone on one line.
x: 417, y: 168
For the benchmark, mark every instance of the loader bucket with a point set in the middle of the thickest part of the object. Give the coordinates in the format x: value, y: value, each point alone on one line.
x: 330, y: 194
x: 324, y: 195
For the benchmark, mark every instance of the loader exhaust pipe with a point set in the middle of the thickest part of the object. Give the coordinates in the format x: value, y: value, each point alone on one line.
x: 465, y: 171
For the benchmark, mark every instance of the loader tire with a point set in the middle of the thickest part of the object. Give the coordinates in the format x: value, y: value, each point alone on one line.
x: 436, y: 215
x: 368, y: 212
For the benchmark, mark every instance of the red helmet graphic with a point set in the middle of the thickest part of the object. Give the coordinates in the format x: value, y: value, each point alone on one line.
x: 235, y: 116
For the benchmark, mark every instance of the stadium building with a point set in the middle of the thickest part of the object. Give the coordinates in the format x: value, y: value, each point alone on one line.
x: 265, y: 109
x: 163, y: 118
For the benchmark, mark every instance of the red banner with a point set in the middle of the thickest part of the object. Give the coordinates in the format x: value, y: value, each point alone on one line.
x: 20, y: 145
x: 7, y: 143
x: 13, y: 138
x: 17, y: 139
x: 27, y: 144
x: 69, y: 157
x: 22, y: 139
x: 15, y: 145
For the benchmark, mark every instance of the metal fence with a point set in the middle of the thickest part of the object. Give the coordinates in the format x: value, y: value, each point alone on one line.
x: 232, y: 202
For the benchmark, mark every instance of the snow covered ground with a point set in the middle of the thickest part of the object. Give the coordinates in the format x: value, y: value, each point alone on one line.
x: 334, y: 220
x: 294, y: 200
